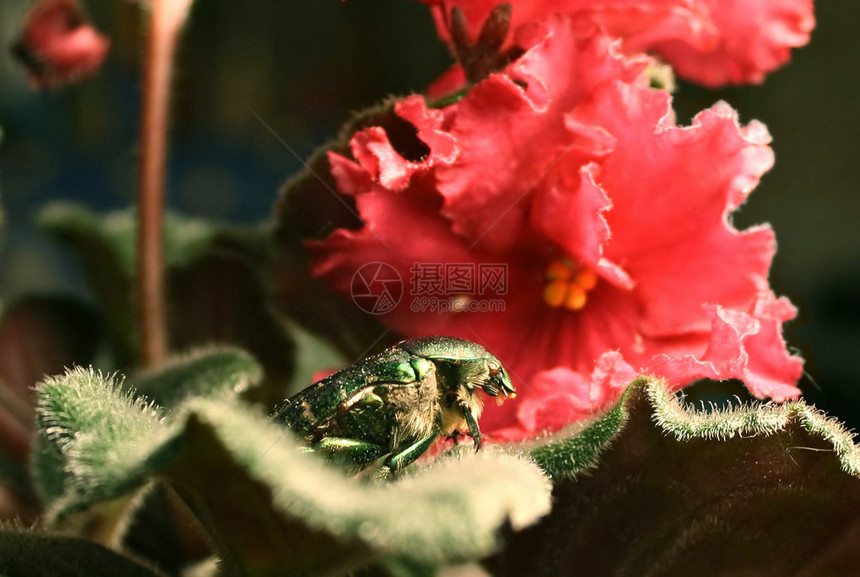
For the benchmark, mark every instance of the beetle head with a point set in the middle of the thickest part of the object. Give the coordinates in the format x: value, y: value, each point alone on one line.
x: 463, y: 362
x: 498, y: 382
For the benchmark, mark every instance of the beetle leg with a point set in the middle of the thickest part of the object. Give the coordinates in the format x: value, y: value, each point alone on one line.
x: 474, y: 431
x: 455, y: 436
x: 351, y: 450
x: 412, y: 452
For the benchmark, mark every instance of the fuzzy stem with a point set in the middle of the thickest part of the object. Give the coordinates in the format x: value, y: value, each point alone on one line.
x: 165, y: 23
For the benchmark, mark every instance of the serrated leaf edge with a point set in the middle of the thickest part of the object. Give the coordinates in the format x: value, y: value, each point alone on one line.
x: 686, y: 423
x: 750, y: 419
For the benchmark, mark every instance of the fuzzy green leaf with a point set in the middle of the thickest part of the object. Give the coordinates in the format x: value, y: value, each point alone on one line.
x: 116, y: 233
x: 202, y: 373
x: 48, y: 469
x: 109, y: 441
x: 755, y: 490
x: 242, y: 465
x: 107, y: 245
x: 30, y: 554
x: 577, y: 448
x: 106, y: 250
x: 272, y: 508
x: 219, y: 297
x: 214, y: 283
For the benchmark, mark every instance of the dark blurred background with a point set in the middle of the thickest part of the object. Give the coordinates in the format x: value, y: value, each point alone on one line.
x: 304, y: 66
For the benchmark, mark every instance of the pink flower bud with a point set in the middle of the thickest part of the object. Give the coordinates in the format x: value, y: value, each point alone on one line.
x: 58, y: 46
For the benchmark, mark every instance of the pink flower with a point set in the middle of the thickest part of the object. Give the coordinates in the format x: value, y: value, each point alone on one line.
x: 57, y: 45
x: 712, y: 42
x: 753, y: 39
x: 612, y: 221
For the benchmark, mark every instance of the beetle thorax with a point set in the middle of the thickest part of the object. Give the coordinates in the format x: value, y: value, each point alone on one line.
x: 452, y: 413
x: 416, y: 421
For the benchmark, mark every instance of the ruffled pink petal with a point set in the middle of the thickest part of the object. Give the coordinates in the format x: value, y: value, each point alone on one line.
x: 713, y: 42
x: 554, y: 398
x: 430, y: 125
x: 532, y: 129
x: 374, y: 152
x: 612, y: 375
x: 448, y: 83
x: 754, y: 38
x: 350, y: 177
x: 482, y: 195
x: 742, y: 346
x: 570, y: 212
x: 383, y: 164
x: 400, y: 229
x: 669, y: 219
x: 559, y: 396
x: 635, y: 19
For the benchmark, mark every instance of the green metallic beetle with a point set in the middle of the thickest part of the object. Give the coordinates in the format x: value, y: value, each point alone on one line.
x: 396, y: 404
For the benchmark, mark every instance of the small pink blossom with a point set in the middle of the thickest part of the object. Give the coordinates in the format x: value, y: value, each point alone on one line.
x: 712, y: 42
x: 57, y: 45
x: 612, y: 221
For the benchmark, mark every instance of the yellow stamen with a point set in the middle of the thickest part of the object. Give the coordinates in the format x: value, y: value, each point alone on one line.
x: 575, y: 298
x: 568, y: 284
x: 553, y: 293
x: 585, y: 278
x: 557, y: 270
